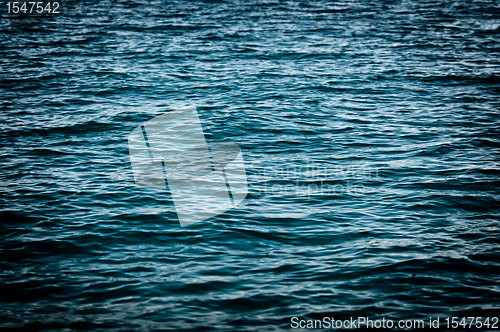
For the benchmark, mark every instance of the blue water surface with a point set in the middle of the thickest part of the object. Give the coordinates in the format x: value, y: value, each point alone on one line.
x: 370, y: 132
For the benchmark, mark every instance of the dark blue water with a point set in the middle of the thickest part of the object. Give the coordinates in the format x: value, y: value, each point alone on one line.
x: 380, y: 118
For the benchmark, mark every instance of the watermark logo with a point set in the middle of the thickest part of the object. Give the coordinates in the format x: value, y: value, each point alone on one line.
x: 170, y: 152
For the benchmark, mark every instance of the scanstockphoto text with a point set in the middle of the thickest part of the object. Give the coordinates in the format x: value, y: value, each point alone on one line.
x: 458, y: 323
x: 314, y: 169
x: 313, y: 178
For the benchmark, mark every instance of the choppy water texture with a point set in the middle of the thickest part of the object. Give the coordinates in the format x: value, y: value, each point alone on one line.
x: 406, y: 90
